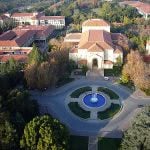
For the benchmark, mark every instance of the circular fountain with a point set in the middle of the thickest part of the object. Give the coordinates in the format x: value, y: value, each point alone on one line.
x: 94, y: 100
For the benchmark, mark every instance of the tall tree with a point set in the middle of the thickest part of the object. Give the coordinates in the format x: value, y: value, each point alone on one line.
x: 136, y: 70
x: 45, y: 133
x: 137, y: 137
x: 8, y: 136
x: 35, y: 56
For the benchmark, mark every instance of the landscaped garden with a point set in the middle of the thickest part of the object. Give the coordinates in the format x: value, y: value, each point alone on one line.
x: 116, y: 71
x: 81, y: 143
x: 76, y: 109
x: 108, y: 92
x: 109, y: 143
x: 80, y: 91
x: 110, y: 112
x: 78, y: 143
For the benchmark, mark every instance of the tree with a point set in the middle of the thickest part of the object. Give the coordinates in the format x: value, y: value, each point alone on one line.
x: 137, y: 137
x: 119, y: 61
x: 105, y: 11
x: 44, y: 133
x: 43, y: 72
x: 136, y: 70
x: 19, y: 101
x: 42, y: 75
x: 8, y: 136
x: 35, y: 56
x: 30, y: 74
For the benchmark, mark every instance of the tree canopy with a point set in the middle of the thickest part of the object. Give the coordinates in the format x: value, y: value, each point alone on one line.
x: 136, y: 71
x: 8, y: 136
x: 137, y: 137
x: 36, y: 56
x: 44, y: 133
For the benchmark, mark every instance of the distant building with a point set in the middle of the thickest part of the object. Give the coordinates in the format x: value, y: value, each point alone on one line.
x: 95, y: 47
x: 4, y: 18
x: 17, y: 43
x: 26, y: 18
x: 57, y: 21
x: 143, y: 8
x: 39, y: 19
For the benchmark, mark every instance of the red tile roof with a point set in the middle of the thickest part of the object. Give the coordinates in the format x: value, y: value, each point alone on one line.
x: 73, y: 36
x: 144, y: 7
x: 95, y: 22
x: 19, y: 58
x: 15, y: 38
x: 146, y: 58
x: 101, y: 37
x: 51, y: 17
x: 20, y: 35
x: 95, y: 48
x: 23, y: 15
x: 108, y: 62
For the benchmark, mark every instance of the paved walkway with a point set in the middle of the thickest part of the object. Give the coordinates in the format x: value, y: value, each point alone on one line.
x: 93, y: 143
x: 53, y: 101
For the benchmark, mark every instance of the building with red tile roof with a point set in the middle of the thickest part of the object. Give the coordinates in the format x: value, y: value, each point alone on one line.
x: 143, y: 8
x: 19, y: 40
x: 38, y: 18
x: 95, y: 45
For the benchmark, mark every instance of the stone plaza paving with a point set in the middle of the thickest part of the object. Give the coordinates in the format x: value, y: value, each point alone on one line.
x: 53, y: 101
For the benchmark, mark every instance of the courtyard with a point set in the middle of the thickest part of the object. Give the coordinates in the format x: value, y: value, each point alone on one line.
x: 53, y: 101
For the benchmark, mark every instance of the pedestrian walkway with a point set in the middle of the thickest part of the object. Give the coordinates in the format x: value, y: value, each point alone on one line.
x: 53, y: 101
x: 93, y: 143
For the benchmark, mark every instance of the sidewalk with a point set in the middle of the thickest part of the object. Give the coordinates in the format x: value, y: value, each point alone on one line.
x: 93, y: 143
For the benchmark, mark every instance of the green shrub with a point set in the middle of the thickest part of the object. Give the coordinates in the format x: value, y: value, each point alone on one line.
x: 109, y: 92
x: 110, y: 112
x: 147, y: 91
x: 79, y: 91
x: 77, y: 110
x: 84, y: 69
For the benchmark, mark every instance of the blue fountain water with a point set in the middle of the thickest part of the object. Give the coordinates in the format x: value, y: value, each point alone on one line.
x: 94, y: 100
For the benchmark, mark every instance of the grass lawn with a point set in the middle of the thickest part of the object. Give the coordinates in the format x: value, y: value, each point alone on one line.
x: 64, y: 81
x: 108, y: 144
x: 110, y: 112
x: 79, y: 91
x: 108, y: 92
x: 116, y: 71
x: 76, y: 109
x: 78, y: 143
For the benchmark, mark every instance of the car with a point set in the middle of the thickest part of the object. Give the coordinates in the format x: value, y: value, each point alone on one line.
x: 106, y: 78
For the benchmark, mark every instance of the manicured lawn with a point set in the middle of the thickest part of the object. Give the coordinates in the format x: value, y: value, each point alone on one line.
x: 64, y: 81
x: 110, y: 112
x: 116, y: 71
x: 77, y: 110
x: 108, y: 144
x: 79, y: 91
x: 108, y: 92
x: 78, y: 143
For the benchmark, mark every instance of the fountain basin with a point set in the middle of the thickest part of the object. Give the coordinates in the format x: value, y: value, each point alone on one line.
x: 99, y: 100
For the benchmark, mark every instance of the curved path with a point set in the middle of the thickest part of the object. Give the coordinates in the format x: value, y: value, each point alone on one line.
x: 54, y: 102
